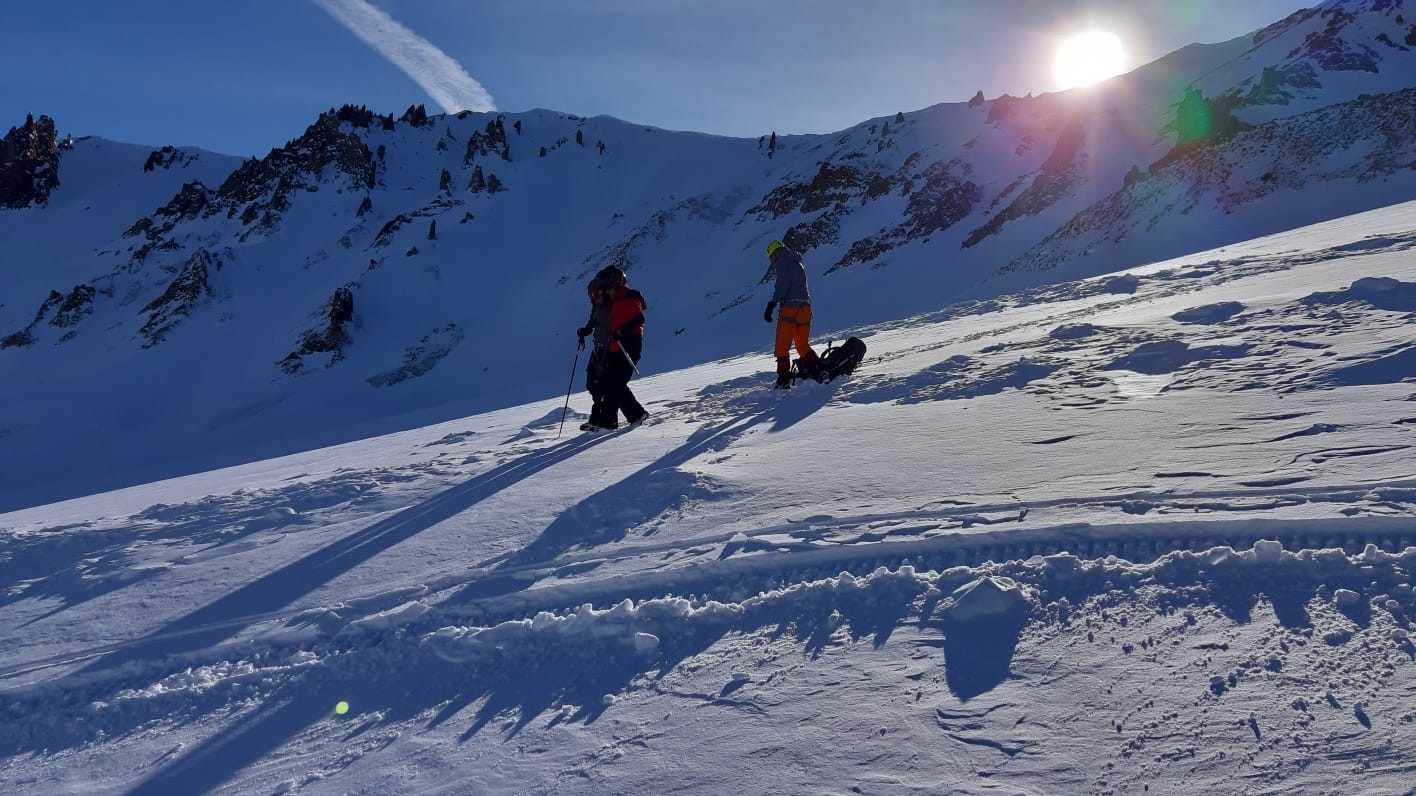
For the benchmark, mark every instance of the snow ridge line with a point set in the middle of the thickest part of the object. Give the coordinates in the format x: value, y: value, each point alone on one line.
x: 803, y: 560
x: 1136, y: 542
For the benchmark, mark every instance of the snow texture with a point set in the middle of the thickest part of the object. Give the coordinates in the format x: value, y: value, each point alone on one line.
x: 1075, y: 582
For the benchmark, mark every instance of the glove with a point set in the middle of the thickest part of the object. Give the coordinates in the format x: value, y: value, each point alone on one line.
x: 583, y: 332
x: 767, y: 315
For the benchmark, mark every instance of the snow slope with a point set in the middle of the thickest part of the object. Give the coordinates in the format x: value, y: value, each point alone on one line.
x: 1146, y: 532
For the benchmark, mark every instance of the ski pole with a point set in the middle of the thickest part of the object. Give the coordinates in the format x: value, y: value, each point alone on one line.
x: 570, y: 387
x: 627, y: 357
x: 630, y: 361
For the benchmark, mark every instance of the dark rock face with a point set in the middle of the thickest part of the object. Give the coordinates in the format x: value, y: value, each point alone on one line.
x: 166, y: 158
x: 260, y: 189
x: 1058, y: 174
x: 26, y: 336
x: 1330, y: 48
x: 942, y: 200
x: 74, y: 307
x: 416, y: 115
x: 943, y: 197
x: 831, y: 185
x: 360, y: 116
x: 387, y: 231
x: 1332, y: 52
x: 491, y: 142
x: 1273, y: 86
x: 16, y: 340
x: 184, y: 293
x: 67, y: 311
x: 189, y: 203
x: 1379, y: 128
x: 29, y: 163
x: 824, y: 229
x: 330, y: 337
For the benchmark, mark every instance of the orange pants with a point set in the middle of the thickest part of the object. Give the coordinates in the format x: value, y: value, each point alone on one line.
x: 793, y: 327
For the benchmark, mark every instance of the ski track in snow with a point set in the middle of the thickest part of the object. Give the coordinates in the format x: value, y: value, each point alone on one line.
x: 1248, y: 548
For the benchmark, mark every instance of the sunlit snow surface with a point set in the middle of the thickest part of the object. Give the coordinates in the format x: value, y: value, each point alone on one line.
x: 1190, y: 489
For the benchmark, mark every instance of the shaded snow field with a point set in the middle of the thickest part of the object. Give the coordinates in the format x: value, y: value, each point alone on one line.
x: 1151, y: 532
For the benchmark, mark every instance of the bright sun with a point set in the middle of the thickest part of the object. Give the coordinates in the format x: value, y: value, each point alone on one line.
x: 1088, y: 58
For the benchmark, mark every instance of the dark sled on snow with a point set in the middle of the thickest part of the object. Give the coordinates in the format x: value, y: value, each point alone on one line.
x: 838, y: 360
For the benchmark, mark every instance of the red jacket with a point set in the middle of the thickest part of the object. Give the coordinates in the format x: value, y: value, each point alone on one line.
x: 627, y: 321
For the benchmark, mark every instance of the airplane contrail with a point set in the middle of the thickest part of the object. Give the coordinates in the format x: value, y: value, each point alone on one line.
x: 437, y: 73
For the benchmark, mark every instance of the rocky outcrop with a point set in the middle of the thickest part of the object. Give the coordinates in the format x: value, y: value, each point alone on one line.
x: 360, y: 116
x: 490, y: 142
x: 29, y: 163
x: 389, y: 228
x: 1276, y: 85
x: 59, y: 310
x: 1363, y: 140
x: 822, y: 230
x: 74, y: 307
x: 831, y: 185
x: 189, y: 203
x: 183, y: 294
x: 943, y: 197
x: 329, y: 338
x: 167, y: 158
x: 260, y: 189
x: 1062, y: 170
x: 26, y: 336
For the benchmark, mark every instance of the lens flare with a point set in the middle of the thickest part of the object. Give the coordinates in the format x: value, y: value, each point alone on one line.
x: 1088, y: 58
x: 341, y: 707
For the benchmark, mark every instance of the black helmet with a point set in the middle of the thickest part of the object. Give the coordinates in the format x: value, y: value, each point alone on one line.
x: 611, y: 276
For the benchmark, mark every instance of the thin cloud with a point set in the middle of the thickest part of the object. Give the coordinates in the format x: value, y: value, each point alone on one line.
x: 433, y: 70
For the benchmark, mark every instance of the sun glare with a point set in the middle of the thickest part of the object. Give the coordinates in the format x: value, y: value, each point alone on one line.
x: 1088, y: 58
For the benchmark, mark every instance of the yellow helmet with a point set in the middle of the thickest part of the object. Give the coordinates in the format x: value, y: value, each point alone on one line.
x: 772, y: 248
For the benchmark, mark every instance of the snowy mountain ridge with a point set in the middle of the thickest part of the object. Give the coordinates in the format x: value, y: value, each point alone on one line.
x: 374, y: 270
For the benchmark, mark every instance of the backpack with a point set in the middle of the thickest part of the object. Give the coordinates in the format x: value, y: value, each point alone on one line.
x: 839, y: 360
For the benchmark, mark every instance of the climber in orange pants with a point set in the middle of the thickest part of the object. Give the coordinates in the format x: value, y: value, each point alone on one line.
x: 794, y: 318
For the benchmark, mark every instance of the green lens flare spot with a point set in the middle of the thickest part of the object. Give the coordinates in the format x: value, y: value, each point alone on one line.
x: 341, y: 707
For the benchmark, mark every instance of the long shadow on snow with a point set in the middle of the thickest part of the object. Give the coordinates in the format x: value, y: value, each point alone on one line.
x: 516, y: 685
x: 220, y: 619
x: 519, y: 681
x: 88, y: 565
x: 607, y: 516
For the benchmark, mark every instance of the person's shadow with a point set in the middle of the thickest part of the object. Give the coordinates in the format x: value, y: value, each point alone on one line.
x: 607, y: 516
x: 224, y: 617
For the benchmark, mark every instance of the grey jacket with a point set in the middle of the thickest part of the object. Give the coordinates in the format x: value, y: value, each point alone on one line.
x: 600, y: 323
x: 791, y: 280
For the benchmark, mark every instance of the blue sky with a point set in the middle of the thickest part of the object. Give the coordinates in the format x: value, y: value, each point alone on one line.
x: 244, y: 76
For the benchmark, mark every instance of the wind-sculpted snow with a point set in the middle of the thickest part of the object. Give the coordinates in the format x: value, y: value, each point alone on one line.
x: 1241, y: 621
x: 1153, y: 529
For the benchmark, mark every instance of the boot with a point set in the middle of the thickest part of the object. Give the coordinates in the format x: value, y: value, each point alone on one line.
x: 784, y: 381
x: 811, y: 370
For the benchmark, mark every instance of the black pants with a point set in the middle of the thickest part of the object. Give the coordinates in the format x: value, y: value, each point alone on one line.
x: 595, y: 383
x: 618, y: 397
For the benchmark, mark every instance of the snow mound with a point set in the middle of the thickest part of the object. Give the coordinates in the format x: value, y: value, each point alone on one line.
x: 989, y: 597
